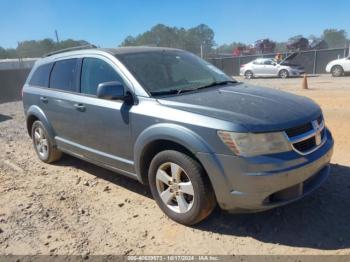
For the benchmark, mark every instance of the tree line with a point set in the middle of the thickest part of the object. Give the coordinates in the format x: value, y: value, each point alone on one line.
x: 37, y: 48
x: 196, y: 40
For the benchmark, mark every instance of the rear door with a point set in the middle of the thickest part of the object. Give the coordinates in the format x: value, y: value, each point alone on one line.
x: 59, y: 99
x: 258, y: 67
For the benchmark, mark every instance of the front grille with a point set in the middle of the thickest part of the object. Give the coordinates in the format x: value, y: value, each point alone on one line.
x: 296, y: 131
x: 307, y: 137
x: 305, y: 145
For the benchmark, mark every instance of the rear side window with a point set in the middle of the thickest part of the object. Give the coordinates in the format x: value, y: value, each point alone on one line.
x: 41, y: 76
x: 258, y: 62
x: 94, y: 72
x: 64, y: 75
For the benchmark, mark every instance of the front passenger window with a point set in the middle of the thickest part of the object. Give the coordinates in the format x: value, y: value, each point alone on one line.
x: 94, y: 72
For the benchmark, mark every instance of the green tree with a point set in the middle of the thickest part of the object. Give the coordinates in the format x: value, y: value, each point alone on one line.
x: 37, y: 48
x: 162, y: 35
x: 3, y: 53
x: 228, y: 48
x: 335, y: 38
x: 296, y: 37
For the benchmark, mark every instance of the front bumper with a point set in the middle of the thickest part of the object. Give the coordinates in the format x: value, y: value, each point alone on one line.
x: 260, y: 183
x: 297, y: 72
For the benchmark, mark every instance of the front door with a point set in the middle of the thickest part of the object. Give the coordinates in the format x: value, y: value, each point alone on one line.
x: 103, y: 124
x: 270, y: 68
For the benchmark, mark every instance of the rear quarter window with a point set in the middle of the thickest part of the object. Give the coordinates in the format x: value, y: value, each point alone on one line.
x: 64, y: 75
x: 41, y: 76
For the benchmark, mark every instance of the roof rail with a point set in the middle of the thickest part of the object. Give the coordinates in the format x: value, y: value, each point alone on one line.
x: 80, y: 47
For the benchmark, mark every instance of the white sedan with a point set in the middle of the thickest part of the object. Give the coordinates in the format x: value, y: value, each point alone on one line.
x: 339, y: 67
x: 268, y: 67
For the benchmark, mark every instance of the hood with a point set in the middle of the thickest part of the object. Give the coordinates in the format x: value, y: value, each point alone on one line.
x: 338, y: 60
x: 289, y: 57
x: 255, y: 109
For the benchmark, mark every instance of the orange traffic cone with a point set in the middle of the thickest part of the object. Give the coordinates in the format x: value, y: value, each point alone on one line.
x: 305, y: 85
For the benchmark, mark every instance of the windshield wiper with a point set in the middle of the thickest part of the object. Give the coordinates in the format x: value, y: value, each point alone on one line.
x: 180, y: 91
x: 164, y: 92
x: 216, y: 83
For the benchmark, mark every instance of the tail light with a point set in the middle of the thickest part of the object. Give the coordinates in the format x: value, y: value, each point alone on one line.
x: 242, y: 66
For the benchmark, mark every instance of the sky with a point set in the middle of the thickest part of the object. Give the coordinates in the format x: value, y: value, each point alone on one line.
x: 107, y: 23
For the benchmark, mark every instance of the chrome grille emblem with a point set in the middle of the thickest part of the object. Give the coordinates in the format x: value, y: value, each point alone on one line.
x: 317, y: 127
x: 311, y: 140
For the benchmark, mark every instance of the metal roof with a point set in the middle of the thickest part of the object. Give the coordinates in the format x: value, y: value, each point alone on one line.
x: 14, y: 64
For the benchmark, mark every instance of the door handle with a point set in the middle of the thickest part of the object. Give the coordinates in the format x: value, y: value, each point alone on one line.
x: 44, y: 99
x: 79, y: 107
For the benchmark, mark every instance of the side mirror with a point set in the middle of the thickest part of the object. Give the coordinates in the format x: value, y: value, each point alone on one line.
x: 111, y: 91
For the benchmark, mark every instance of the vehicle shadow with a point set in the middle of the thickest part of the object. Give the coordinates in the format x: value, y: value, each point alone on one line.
x: 319, y: 221
x: 107, y: 175
x: 4, y: 118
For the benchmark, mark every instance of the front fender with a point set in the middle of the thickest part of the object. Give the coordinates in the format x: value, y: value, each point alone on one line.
x: 192, y: 142
x: 171, y: 132
x: 39, y: 114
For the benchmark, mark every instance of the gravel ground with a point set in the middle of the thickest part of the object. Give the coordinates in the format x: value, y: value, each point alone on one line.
x: 73, y: 207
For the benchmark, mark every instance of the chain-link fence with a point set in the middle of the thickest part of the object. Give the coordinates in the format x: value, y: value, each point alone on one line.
x: 313, y: 61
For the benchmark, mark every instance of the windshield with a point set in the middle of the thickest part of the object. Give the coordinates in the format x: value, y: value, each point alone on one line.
x: 172, y: 72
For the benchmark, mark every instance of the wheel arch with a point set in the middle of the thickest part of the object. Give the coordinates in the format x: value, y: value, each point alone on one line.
x: 34, y: 113
x: 332, y: 67
x: 248, y: 70
x: 165, y: 137
x: 283, y: 69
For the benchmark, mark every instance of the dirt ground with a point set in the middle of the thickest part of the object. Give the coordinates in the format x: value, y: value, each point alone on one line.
x: 74, y: 207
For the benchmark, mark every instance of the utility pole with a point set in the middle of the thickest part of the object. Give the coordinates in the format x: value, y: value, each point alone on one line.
x: 57, y: 39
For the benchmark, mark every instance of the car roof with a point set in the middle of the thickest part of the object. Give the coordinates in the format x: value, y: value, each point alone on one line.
x: 136, y: 49
x: 111, y: 51
x: 263, y: 59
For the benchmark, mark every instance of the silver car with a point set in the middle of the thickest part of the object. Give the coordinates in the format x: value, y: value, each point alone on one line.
x: 268, y: 67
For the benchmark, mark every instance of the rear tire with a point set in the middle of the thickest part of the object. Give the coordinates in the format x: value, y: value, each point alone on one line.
x: 337, y: 71
x: 43, y: 144
x: 248, y: 74
x: 283, y: 74
x: 181, y: 187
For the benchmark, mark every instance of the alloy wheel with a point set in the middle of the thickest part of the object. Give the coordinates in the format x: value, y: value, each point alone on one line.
x: 174, y: 187
x: 41, y: 142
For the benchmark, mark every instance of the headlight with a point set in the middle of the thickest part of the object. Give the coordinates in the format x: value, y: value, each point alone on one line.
x: 250, y: 144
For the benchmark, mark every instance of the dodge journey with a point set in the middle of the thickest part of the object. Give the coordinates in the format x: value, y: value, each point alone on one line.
x: 176, y: 123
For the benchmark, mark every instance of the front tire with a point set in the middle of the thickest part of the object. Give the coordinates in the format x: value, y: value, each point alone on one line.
x: 181, y: 187
x: 43, y: 144
x: 337, y: 71
x: 283, y: 74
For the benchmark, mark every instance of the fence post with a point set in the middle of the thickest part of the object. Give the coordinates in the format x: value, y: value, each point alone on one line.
x: 345, y: 50
x: 315, y: 62
x: 239, y: 65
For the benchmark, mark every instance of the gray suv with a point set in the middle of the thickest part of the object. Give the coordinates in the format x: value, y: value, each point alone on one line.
x: 180, y: 125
